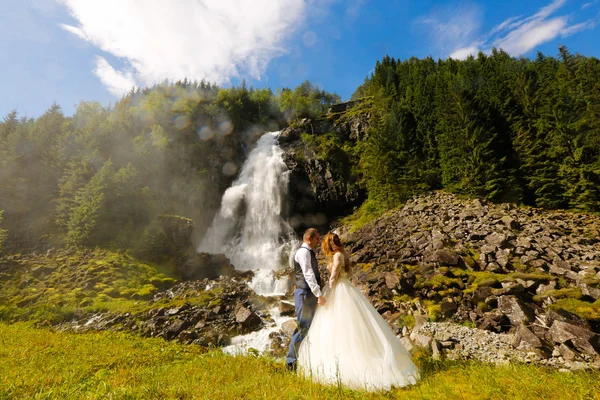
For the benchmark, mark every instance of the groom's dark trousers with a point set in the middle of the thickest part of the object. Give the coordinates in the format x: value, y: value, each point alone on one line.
x: 306, y: 305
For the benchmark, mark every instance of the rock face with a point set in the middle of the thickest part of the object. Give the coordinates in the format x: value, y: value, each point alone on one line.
x: 323, y: 187
x: 205, y: 265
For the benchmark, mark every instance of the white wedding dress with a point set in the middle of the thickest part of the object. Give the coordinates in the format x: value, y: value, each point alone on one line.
x: 349, y: 343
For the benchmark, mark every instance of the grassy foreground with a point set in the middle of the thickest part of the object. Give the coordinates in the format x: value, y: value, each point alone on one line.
x: 42, y: 364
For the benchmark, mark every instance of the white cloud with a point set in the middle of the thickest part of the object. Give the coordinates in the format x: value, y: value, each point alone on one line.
x: 516, y: 35
x: 586, y: 5
x: 213, y: 40
x: 453, y: 28
x: 464, y: 52
x: 117, y: 82
x: 530, y: 35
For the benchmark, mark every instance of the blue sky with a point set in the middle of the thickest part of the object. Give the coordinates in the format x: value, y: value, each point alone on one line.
x: 67, y: 51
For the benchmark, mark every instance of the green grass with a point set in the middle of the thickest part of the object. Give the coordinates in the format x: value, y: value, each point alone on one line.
x: 43, y: 364
x: 368, y: 212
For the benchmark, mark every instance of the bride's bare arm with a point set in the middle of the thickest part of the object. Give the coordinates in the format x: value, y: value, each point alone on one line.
x: 336, y: 268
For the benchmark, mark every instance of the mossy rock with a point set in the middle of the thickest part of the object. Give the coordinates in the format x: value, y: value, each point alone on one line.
x: 566, y: 293
x: 583, y: 309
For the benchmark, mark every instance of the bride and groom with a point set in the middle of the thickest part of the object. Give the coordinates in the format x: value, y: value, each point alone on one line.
x: 341, y: 338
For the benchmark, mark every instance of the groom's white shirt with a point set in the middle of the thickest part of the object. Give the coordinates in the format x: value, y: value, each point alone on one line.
x: 303, y: 258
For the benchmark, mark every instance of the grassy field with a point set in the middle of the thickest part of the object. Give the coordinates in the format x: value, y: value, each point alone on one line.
x: 42, y: 364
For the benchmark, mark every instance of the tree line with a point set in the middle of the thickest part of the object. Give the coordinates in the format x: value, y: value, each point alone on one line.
x: 107, y: 175
x: 518, y: 130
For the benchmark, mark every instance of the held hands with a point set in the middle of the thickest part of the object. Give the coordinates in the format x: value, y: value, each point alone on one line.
x: 321, y: 301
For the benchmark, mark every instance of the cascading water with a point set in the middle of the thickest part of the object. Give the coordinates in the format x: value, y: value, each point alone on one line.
x: 250, y: 229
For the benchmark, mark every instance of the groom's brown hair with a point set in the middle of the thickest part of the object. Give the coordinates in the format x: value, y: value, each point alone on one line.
x: 309, y: 234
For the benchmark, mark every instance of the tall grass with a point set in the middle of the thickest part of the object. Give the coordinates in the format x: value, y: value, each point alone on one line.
x: 43, y: 364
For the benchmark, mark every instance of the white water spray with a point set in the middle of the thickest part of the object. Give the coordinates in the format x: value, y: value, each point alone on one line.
x: 249, y: 228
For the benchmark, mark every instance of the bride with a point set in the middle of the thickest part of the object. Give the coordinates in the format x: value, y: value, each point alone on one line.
x: 349, y: 343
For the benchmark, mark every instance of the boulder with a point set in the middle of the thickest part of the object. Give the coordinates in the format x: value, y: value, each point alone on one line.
x: 497, y: 239
x: 286, y: 309
x: 247, y: 319
x: 516, y: 311
x: 391, y: 280
x: 443, y: 257
x: 289, y: 327
x: 524, y: 338
x: 581, y: 338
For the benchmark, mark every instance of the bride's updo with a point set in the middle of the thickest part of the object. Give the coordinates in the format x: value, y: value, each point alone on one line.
x: 332, y: 244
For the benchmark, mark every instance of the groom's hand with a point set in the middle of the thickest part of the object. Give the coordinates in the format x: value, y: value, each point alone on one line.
x: 321, y: 301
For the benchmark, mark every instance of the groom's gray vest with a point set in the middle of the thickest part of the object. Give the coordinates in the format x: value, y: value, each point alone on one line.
x: 300, y: 281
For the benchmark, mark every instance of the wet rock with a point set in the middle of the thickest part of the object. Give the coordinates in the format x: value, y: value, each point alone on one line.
x: 248, y: 320
x: 287, y: 309
x: 205, y: 265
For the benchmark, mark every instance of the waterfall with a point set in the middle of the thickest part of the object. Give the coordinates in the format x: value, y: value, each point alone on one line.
x: 249, y: 228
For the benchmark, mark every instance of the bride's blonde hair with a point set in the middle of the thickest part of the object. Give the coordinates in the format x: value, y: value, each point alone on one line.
x: 332, y: 244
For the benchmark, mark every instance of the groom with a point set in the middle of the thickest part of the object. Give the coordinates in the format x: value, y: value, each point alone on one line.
x: 308, y: 290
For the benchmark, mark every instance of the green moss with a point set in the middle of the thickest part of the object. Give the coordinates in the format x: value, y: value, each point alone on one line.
x: 538, y: 277
x: 404, y: 298
x: 566, y: 293
x: 434, y: 312
x: 437, y: 282
x: 88, y: 279
x: 408, y: 321
x: 585, y: 310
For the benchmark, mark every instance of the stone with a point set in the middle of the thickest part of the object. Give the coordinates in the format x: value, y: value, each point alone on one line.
x: 510, y: 223
x: 502, y: 257
x: 516, y: 311
x: 420, y: 320
x: 493, y: 267
x: 488, y: 249
x: 525, y: 338
x: 421, y: 340
x: 288, y: 327
x: 248, y: 320
x: 392, y: 280
x: 443, y: 257
x: 286, y: 309
x: 448, y: 307
x: 510, y: 288
x: 480, y: 294
x: 175, y: 327
x: 436, y: 353
x: 205, y: 265
x: 581, y: 338
x: 559, y: 267
x: 497, y: 239
x: 545, y: 287
x: 566, y: 353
